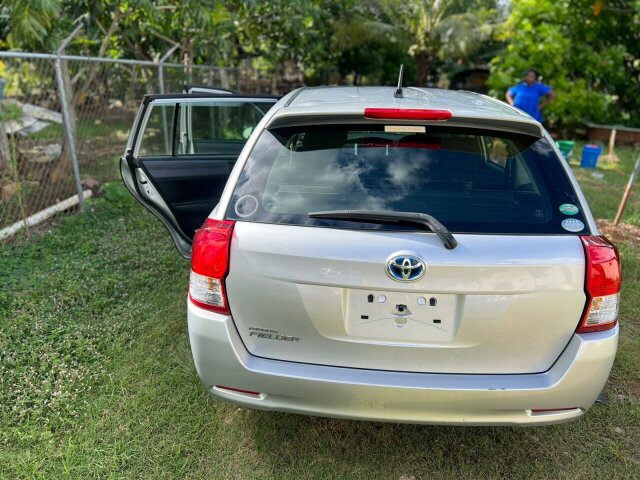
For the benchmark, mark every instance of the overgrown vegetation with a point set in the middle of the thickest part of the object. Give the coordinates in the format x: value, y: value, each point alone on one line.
x: 589, y: 51
x: 97, y: 381
x: 308, y: 40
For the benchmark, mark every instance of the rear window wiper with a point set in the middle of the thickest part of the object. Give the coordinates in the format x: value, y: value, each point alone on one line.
x: 392, y: 218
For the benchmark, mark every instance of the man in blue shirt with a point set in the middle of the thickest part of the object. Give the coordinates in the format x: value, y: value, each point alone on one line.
x: 527, y: 94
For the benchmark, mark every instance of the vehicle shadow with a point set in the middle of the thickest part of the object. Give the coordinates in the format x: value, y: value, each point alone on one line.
x: 359, y: 449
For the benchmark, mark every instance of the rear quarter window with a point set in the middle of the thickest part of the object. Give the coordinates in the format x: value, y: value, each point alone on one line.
x: 471, y: 180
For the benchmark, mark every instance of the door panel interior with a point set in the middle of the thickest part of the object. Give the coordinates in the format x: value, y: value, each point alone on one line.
x: 191, y: 185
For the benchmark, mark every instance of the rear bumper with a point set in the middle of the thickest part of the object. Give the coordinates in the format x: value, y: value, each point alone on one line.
x: 573, y: 382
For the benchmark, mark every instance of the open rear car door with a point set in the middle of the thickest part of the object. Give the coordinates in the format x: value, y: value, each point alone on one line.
x: 182, y: 149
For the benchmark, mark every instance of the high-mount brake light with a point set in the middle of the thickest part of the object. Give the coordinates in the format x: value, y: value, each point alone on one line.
x: 210, y: 265
x: 602, y: 284
x: 406, y: 114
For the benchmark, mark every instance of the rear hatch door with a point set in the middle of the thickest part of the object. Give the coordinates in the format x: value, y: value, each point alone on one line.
x: 507, y: 299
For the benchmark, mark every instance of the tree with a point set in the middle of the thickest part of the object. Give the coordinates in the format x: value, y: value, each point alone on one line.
x: 282, y: 33
x: 319, y: 38
x: 435, y: 31
x: 442, y: 29
x: 30, y: 22
x: 588, y: 51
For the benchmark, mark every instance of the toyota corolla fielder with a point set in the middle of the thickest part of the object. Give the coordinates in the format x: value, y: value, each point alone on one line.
x: 419, y: 256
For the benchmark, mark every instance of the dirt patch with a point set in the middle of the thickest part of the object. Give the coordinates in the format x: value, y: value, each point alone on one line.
x: 635, y: 388
x: 622, y: 233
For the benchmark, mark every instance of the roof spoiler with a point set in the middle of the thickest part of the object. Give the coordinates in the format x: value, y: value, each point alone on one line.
x: 287, y: 118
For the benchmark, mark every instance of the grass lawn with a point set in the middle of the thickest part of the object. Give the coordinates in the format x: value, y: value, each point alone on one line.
x: 97, y: 381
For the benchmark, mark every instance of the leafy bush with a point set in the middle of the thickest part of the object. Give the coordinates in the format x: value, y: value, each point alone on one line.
x: 586, y: 52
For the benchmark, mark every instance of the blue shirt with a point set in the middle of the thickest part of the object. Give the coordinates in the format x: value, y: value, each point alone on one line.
x: 527, y: 97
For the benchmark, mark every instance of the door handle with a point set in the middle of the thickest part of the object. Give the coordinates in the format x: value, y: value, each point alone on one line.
x: 141, y: 177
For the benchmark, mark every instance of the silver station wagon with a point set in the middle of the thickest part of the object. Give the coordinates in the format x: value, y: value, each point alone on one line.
x: 406, y: 255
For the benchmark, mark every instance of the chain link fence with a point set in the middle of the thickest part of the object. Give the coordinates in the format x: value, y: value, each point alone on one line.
x: 37, y: 159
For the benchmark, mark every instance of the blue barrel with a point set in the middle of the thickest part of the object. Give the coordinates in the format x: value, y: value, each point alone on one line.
x: 590, y: 154
x: 2, y: 84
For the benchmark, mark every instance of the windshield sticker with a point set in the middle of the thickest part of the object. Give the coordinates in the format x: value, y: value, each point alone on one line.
x: 572, y: 225
x: 404, y: 129
x: 246, y: 206
x: 569, y: 209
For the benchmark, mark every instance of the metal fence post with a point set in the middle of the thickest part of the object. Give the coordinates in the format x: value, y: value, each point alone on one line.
x: 66, y: 118
x: 161, y: 62
x: 161, y: 86
x: 161, y: 78
x: 224, y: 78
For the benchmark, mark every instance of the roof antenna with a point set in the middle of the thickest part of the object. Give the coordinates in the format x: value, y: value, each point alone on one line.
x: 398, y: 92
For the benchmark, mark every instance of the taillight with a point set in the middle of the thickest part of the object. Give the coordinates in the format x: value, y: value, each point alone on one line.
x: 602, y: 284
x: 210, y: 265
x: 406, y: 114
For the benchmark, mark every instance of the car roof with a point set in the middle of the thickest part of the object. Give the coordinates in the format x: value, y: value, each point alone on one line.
x: 456, y: 101
x: 350, y: 101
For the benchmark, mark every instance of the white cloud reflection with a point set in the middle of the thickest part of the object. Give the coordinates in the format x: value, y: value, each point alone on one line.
x: 334, y: 179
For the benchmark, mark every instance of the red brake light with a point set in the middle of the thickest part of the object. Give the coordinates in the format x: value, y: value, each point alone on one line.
x: 602, y: 284
x: 406, y: 114
x: 210, y: 265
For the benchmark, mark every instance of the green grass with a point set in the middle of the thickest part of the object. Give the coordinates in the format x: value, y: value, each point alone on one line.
x: 604, y: 194
x: 97, y: 381
x: 88, y: 129
x: 97, y: 140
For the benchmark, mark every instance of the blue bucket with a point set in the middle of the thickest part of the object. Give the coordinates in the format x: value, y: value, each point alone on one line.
x: 590, y: 154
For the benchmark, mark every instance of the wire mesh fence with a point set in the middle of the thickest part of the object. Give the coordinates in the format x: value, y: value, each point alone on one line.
x: 102, y: 97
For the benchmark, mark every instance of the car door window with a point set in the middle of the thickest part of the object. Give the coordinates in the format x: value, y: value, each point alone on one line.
x: 217, y: 126
x: 157, y: 135
x: 199, y: 128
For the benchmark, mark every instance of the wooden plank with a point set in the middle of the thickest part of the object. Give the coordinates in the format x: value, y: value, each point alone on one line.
x: 30, y: 110
x: 42, y: 215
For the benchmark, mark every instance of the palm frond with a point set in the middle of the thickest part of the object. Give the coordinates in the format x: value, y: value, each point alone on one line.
x: 357, y: 31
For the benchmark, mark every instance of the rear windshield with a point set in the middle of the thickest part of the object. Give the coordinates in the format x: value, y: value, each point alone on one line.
x: 473, y: 181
